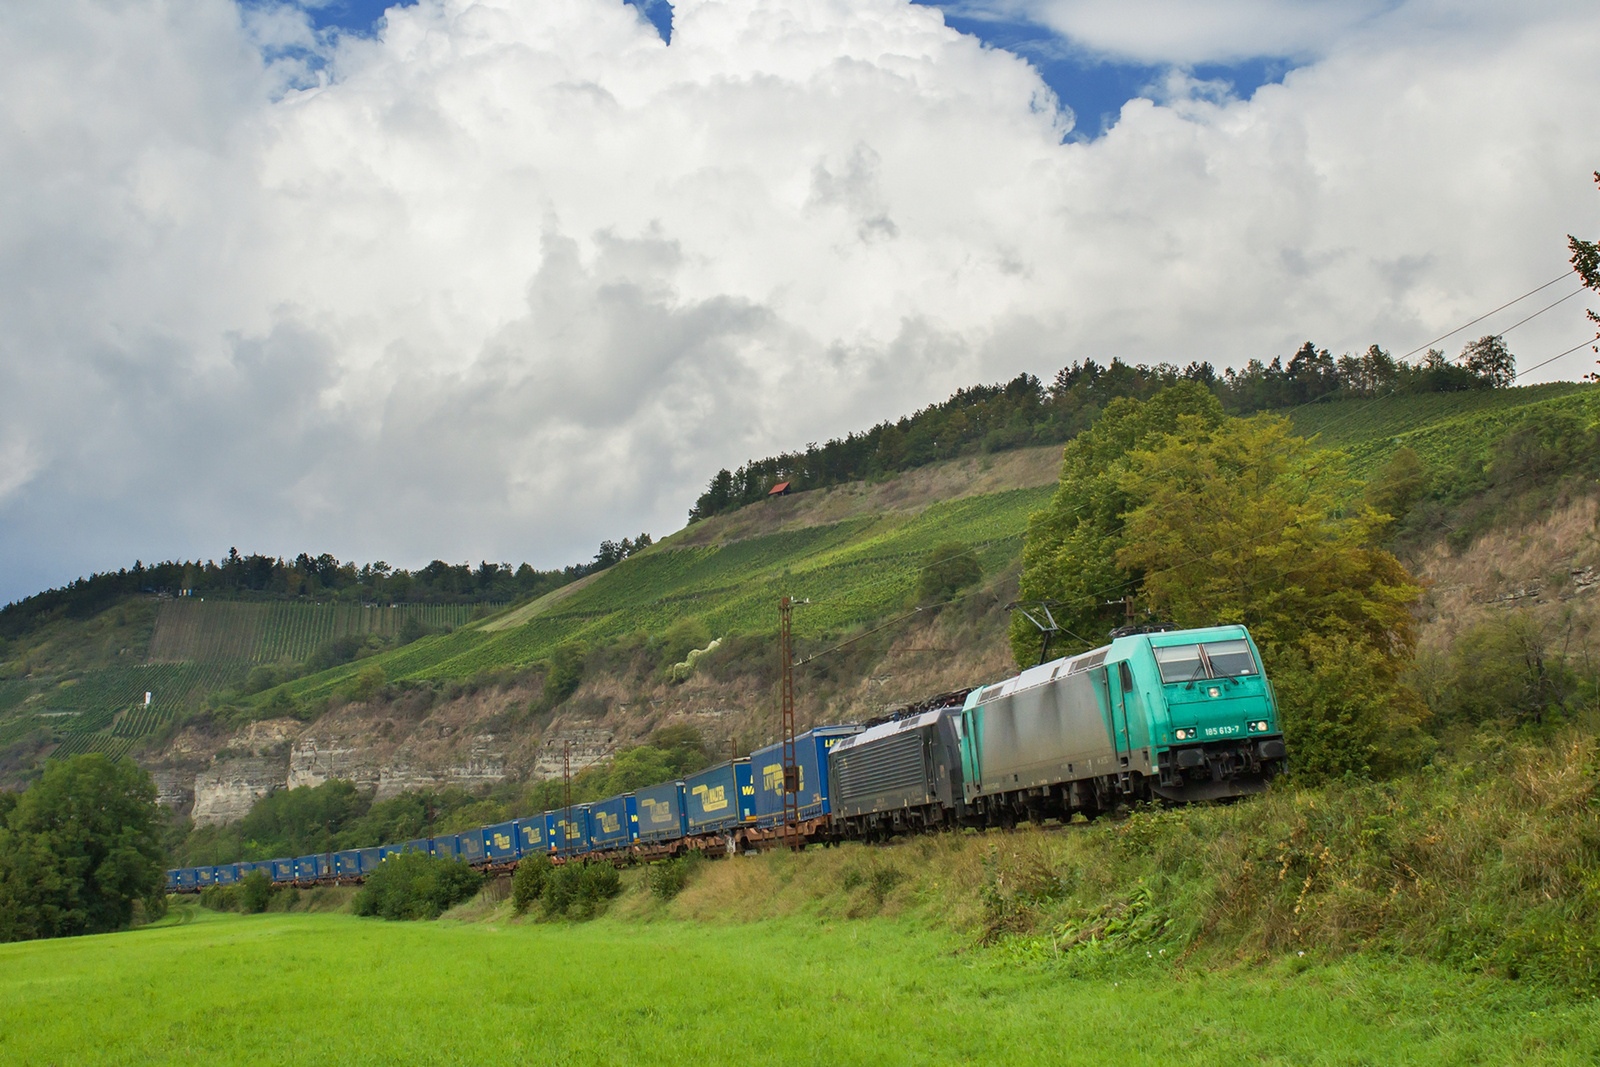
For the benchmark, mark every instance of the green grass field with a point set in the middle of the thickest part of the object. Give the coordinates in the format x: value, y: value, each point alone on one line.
x: 331, y: 988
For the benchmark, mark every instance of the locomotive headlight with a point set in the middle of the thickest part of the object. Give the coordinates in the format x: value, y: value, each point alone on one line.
x: 1259, y: 726
x: 1184, y: 734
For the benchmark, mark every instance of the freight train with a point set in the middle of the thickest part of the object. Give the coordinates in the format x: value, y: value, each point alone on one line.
x: 1176, y: 715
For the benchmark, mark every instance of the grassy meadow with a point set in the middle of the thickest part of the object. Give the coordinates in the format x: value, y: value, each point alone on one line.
x: 324, y: 988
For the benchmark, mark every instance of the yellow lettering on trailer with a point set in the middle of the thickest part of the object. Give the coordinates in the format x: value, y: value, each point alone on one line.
x: 712, y: 798
x: 772, y: 777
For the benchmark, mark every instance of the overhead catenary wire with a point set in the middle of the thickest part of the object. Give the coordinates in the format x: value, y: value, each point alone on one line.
x: 1541, y: 311
x: 1552, y: 359
x: 1486, y: 314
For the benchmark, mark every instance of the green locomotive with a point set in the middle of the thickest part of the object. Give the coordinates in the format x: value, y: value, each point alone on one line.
x: 1179, y: 714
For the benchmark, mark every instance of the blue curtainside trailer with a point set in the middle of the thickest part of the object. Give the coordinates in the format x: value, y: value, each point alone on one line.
x: 614, y: 822
x: 500, y: 842
x: 282, y: 870
x: 661, y: 812
x: 569, y: 829
x: 810, y: 759
x: 347, y: 864
x: 532, y: 837
x: 470, y: 847
x: 719, y: 798
x: 446, y: 847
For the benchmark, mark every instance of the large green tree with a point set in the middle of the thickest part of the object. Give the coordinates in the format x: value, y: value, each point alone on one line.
x: 78, y: 848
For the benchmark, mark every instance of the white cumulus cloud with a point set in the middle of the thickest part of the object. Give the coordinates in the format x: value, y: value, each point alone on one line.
x: 509, y: 277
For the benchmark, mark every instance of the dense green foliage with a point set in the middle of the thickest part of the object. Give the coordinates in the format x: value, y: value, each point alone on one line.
x: 1242, y: 522
x: 578, y: 890
x: 1206, y: 518
x: 78, y: 849
x: 415, y: 885
x: 1070, y: 555
x: 527, y: 882
x: 251, y: 895
x: 667, y: 878
x: 1515, y: 672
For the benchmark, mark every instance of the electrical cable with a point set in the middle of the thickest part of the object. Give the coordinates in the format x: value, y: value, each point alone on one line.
x: 1552, y: 359
x: 1486, y: 314
x: 1541, y: 311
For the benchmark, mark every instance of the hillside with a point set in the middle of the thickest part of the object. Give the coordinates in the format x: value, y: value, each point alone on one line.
x: 238, y: 708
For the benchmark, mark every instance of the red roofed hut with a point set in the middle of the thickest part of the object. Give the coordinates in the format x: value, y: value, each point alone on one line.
x: 781, y: 489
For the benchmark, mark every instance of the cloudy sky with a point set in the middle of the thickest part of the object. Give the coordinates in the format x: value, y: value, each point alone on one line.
x: 494, y: 279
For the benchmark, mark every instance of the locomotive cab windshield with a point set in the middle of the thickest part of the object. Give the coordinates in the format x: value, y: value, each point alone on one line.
x: 1182, y: 664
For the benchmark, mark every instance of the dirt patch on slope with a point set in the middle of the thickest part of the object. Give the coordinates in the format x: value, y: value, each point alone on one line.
x: 1548, y: 567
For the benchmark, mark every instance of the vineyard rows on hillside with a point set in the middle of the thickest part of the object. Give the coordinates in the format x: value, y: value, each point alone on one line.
x: 104, y: 710
x: 1438, y: 426
x: 209, y: 631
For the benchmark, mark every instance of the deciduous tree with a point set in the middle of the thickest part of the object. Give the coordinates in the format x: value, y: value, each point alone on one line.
x: 78, y: 848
